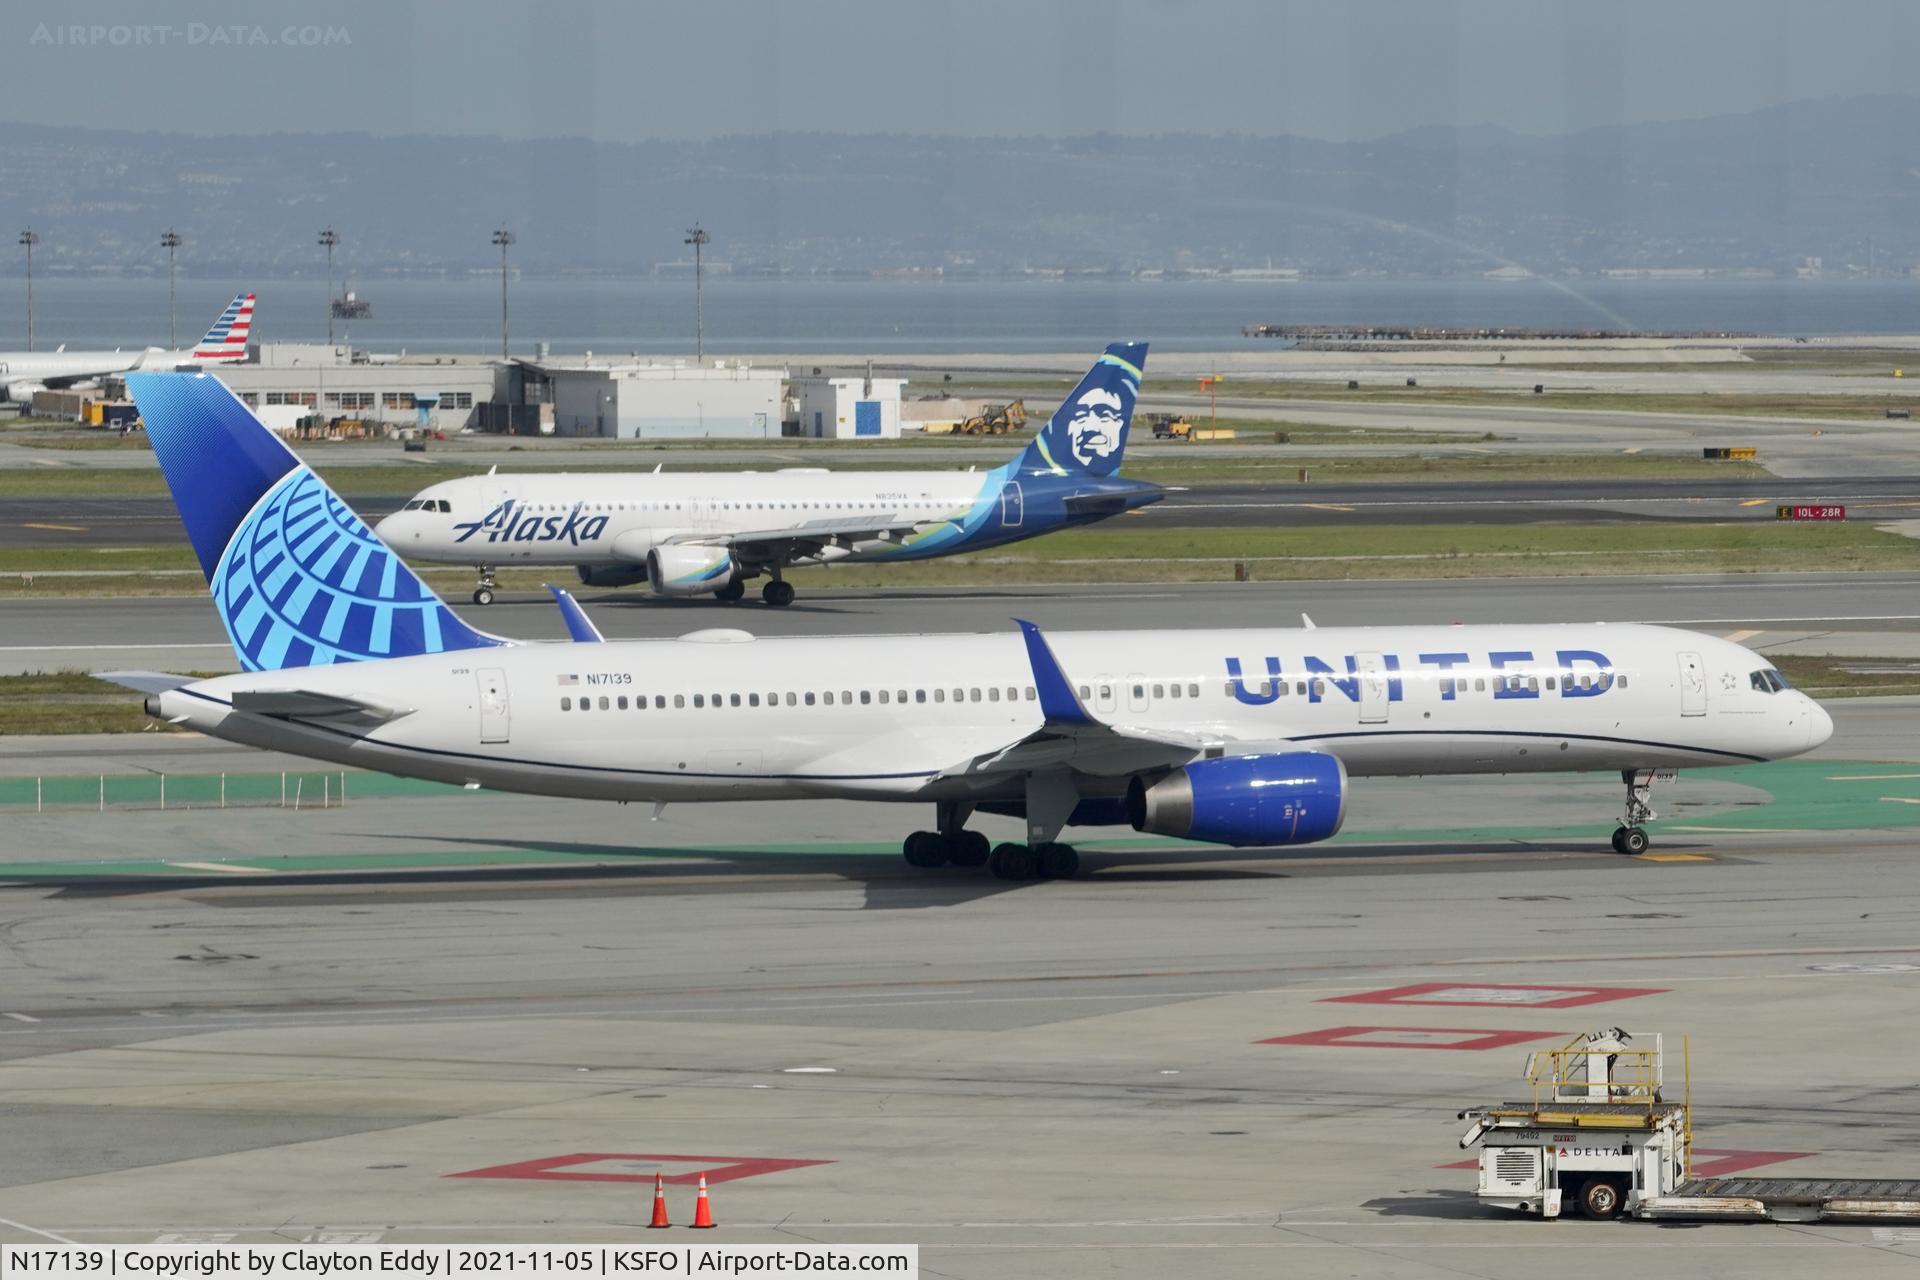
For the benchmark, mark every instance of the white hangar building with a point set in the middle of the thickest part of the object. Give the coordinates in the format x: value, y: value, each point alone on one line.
x: 634, y: 401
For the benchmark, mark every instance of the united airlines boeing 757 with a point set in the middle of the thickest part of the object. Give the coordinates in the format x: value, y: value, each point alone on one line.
x: 1244, y: 737
x: 693, y: 533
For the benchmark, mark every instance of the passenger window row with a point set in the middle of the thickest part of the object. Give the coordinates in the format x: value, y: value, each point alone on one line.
x: 827, y: 698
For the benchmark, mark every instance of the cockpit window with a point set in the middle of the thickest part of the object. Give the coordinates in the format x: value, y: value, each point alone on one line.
x: 1767, y: 680
x: 415, y: 505
x: 446, y: 507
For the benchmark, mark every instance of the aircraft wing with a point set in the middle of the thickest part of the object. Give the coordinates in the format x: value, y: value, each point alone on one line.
x: 1071, y: 738
x: 314, y: 706
x: 789, y: 539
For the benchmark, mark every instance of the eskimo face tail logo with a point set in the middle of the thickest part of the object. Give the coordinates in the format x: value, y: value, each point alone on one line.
x: 1088, y: 433
x: 1093, y: 432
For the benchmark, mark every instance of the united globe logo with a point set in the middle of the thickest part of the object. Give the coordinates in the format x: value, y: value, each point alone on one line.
x: 304, y: 583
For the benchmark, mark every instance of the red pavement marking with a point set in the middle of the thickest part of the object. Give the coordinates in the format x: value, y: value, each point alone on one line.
x: 1471, y: 1038
x: 1495, y: 994
x: 565, y: 1168
x: 1721, y: 1162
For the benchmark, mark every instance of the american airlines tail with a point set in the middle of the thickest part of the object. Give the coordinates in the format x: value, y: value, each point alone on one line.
x: 1087, y: 434
x: 297, y: 579
x: 227, y: 340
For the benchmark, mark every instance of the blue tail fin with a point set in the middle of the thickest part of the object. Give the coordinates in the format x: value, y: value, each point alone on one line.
x: 1087, y: 434
x: 298, y: 579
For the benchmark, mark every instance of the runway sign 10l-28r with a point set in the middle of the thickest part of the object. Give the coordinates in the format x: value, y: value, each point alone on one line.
x: 1809, y: 511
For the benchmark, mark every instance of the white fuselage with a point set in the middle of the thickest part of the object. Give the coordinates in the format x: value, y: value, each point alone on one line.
x: 574, y: 518
x: 42, y: 366
x: 719, y: 715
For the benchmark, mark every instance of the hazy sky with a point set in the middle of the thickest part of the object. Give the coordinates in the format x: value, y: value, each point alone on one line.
x: 631, y: 71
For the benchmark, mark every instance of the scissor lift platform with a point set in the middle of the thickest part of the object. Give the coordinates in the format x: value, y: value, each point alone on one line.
x: 1599, y: 1133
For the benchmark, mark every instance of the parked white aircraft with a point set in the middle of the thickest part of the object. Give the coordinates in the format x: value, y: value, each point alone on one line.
x: 1241, y: 737
x: 24, y: 372
x: 711, y: 532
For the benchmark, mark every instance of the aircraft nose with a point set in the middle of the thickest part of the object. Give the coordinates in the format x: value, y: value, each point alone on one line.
x: 394, y: 526
x: 1819, y: 724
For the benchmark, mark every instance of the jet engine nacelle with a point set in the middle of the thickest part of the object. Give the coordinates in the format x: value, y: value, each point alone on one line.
x: 611, y: 575
x: 690, y: 568
x: 22, y: 393
x: 1295, y: 797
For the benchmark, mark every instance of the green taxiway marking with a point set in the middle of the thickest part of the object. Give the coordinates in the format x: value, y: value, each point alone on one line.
x: 1791, y: 795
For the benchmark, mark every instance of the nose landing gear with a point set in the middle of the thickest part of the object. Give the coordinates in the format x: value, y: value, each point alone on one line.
x: 483, y: 594
x: 1630, y: 837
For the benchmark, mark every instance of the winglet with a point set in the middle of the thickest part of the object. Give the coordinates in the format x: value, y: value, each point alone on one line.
x: 1058, y: 702
x: 579, y: 625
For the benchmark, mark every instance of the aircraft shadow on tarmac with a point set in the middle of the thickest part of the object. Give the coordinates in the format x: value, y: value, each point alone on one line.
x: 888, y: 883
x: 1448, y: 1206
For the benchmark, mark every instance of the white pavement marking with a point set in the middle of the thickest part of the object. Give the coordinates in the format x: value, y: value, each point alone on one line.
x: 9, y: 1222
x: 229, y: 867
x: 19, y: 1017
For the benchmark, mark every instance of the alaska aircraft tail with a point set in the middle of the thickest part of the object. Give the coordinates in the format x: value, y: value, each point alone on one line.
x: 298, y: 580
x: 227, y: 340
x: 1087, y: 434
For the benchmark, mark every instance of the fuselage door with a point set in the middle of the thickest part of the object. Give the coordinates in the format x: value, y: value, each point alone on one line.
x: 495, y: 713
x: 1693, y: 685
x: 1371, y: 669
x: 1104, y: 697
x: 1013, y: 505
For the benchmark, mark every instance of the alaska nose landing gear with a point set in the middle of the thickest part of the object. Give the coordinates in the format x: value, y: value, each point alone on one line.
x: 1630, y: 836
x: 483, y: 594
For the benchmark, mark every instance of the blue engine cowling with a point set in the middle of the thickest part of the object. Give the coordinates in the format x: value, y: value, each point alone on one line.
x: 611, y: 575
x: 1294, y: 797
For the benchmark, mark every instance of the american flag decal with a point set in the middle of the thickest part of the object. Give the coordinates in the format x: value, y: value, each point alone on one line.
x: 567, y: 680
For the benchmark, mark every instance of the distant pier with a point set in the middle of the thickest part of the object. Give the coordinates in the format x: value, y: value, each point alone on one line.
x: 1317, y: 334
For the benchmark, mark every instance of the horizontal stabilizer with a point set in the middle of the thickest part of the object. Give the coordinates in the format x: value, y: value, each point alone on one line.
x: 144, y: 681
x: 312, y: 706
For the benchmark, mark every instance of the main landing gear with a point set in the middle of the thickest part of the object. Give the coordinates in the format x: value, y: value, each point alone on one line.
x: 954, y: 845
x: 483, y: 594
x: 1630, y: 837
x: 735, y: 588
x: 778, y: 593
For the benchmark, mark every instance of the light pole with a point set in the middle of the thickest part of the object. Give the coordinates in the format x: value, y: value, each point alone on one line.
x: 503, y: 238
x: 327, y: 240
x: 29, y: 238
x: 698, y: 239
x: 169, y: 240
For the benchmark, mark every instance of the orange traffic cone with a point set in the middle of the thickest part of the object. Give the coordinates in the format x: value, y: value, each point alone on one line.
x: 702, y: 1214
x: 659, y: 1204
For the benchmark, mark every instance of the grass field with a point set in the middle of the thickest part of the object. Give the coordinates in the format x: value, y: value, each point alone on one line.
x: 1824, y: 676
x: 71, y: 702
x: 1705, y: 401
x: 1193, y: 464
x: 1121, y: 551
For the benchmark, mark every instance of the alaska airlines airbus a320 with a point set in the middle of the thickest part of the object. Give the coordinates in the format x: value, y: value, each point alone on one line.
x: 691, y: 533
x: 1243, y: 737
